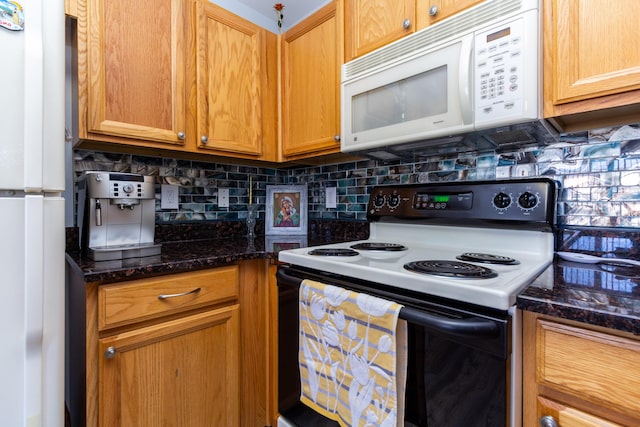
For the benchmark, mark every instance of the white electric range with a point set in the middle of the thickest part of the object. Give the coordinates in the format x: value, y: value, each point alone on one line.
x: 455, y: 255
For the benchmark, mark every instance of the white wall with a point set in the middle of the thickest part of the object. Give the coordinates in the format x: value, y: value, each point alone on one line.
x: 261, y: 12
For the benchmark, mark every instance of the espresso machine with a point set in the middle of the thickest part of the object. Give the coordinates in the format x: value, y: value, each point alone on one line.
x: 116, y: 215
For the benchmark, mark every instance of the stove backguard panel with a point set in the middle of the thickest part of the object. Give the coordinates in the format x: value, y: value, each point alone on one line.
x: 521, y: 203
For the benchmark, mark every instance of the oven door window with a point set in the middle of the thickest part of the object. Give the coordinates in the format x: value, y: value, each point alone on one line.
x: 450, y: 384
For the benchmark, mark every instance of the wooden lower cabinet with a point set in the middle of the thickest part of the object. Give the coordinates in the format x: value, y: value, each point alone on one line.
x: 272, y: 345
x: 185, y: 349
x: 183, y: 372
x: 579, y: 375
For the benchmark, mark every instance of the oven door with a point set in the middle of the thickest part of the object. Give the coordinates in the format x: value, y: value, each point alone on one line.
x: 458, y: 360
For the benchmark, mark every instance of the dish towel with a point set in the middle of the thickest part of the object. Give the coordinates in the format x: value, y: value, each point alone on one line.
x: 352, y: 356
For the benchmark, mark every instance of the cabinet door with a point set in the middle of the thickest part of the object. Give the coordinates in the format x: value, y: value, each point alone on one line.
x: 71, y: 8
x: 595, y: 366
x: 182, y: 372
x: 229, y: 68
x: 577, y: 375
x: 311, y: 86
x: 370, y: 24
x: 567, y: 416
x: 430, y: 12
x: 132, y: 69
x: 588, y: 51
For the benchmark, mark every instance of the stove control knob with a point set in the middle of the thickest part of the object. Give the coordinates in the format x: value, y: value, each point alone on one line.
x: 528, y: 200
x: 379, y: 200
x: 394, y: 201
x: 502, y: 200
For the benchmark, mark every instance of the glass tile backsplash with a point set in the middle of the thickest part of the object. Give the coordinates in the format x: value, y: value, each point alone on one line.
x: 598, y: 171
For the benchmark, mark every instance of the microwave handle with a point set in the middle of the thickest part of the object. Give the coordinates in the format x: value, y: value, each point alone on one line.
x: 465, y: 76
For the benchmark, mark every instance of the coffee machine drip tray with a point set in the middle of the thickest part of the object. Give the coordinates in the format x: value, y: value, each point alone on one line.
x: 110, y: 253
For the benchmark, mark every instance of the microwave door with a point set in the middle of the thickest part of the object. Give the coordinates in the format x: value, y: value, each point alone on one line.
x: 424, y: 95
x: 402, y: 101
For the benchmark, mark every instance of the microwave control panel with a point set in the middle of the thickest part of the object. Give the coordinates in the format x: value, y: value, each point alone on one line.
x: 506, y: 70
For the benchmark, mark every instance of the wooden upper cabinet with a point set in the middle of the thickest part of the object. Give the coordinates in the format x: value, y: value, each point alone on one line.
x: 311, y: 86
x: 132, y: 69
x: 163, y: 75
x: 370, y: 24
x: 232, y: 75
x: 591, y: 61
x: 430, y: 12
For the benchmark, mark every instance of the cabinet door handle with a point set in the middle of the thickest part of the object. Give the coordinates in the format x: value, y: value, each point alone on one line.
x: 204, y: 139
x: 406, y: 24
x: 433, y: 10
x: 167, y: 296
x: 110, y: 352
x: 548, y: 421
x: 336, y: 138
x: 181, y: 135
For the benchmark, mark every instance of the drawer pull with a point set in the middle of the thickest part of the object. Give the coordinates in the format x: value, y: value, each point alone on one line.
x: 167, y: 296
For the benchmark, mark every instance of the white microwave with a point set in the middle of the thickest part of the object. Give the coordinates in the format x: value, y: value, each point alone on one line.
x: 479, y: 69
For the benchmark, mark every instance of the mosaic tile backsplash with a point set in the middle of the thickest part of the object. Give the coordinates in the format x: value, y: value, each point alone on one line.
x: 598, y: 172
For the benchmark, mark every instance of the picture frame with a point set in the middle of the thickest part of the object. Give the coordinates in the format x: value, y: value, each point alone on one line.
x: 286, y: 209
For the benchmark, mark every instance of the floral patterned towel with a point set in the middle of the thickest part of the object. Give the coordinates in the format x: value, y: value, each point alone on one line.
x: 352, y: 356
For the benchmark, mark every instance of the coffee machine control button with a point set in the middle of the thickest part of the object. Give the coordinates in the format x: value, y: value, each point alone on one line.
x: 127, y: 188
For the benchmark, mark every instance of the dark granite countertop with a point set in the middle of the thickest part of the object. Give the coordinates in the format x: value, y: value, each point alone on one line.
x: 598, y: 294
x: 181, y: 256
x: 595, y: 294
x: 200, y: 245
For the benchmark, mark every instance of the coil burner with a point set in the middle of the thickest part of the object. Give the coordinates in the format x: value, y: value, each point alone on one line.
x: 451, y: 269
x: 487, y: 258
x: 342, y: 252
x: 379, y: 246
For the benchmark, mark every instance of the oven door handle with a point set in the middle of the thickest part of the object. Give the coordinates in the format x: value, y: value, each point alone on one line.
x: 468, y: 327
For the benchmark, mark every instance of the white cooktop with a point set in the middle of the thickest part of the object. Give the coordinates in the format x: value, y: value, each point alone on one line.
x: 533, y: 249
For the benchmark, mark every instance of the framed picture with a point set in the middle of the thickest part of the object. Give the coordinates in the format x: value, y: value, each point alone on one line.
x: 286, y: 210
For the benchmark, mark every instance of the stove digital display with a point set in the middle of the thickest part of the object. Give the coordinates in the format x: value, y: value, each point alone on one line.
x: 443, y: 201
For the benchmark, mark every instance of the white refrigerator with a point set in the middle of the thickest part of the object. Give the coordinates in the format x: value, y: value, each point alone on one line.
x: 32, y: 228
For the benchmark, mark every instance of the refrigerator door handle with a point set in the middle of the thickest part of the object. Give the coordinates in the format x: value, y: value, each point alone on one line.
x: 33, y: 101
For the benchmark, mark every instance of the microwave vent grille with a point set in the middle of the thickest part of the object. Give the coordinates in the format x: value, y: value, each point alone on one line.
x: 432, y: 35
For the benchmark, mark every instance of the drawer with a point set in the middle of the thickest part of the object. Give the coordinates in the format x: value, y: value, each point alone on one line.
x: 594, y: 366
x: 129, y: 302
